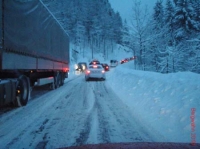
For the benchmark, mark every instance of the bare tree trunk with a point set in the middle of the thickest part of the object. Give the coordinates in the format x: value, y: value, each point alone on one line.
x: 92, y: 48
x: 104, y: 49
x: 139, y: 25
x: 112, y: 45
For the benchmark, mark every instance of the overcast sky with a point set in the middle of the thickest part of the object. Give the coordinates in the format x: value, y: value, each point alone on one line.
x: 124, y: 7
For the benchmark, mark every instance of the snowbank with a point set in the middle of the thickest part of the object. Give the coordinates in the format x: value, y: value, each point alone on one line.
x: 162, y: 102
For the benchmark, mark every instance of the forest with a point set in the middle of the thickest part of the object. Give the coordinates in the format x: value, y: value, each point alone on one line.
x: 166, y: 41
x: 91, y: 24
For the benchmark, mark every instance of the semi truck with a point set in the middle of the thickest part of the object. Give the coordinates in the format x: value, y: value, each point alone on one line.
x: 34, y: 50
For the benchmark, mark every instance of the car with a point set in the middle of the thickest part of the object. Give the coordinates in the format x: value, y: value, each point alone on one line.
x: 81, y: 66
x: 132, y: 58
x: 113, y: 63
x: 127, y: 59
x: 94, y: 62
x: 123, y: 61
x: 95, y: 72
x: 105, y: 66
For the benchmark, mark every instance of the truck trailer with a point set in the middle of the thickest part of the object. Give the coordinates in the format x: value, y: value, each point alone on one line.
x: 34, y: 50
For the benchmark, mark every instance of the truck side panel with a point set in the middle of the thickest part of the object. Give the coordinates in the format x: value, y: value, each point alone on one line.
x: 33, y: 39
x: 17, y: 61
x: 34, y: 50
x: 1, y: 36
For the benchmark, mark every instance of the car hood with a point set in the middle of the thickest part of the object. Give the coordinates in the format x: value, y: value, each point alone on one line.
x: 138, y: 145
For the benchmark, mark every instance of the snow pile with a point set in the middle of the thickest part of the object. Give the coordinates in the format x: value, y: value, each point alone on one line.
x: 162, y: 102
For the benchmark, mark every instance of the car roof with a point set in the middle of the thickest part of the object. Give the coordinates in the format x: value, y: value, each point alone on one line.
x: 82, y: 63
x: 97, y: 63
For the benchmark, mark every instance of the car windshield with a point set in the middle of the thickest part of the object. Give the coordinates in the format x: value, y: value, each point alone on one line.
x: 104, y: 74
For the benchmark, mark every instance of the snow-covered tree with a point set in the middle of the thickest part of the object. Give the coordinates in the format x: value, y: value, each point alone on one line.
x: 91, y: 23
x: 126, y: 34
x: 196, y: 12
x: 183, y: 21
x: 140, y: 20
x: 169, y: 14
x: 158, y: 14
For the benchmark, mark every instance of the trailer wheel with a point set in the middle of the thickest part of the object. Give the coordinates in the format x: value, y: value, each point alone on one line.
x: 57, y: 80
x: 62, y: 78
x: 22, y: 91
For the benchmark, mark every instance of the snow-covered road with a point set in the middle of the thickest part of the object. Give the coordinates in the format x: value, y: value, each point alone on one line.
x: 77, y: 113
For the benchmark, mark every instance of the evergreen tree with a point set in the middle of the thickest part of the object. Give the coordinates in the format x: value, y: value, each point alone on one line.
x: 169, y: 14
x: 125, y: 34
x: 158, y: 15
x: 196, y: 13
x: 184, y: 22
x: 90, y: 23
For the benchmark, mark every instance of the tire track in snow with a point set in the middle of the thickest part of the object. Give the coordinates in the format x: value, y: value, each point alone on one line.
x: 79, y: 113
x: 76, y: 123
x: 115, y: 117
x: 95, y: 128
x: 130, y: 128
x: 104, y: 104
x: 38, y: 131
x: 103, y: 122
x: 36, y: 124
x: 84, y: 134
x: 36, y: 93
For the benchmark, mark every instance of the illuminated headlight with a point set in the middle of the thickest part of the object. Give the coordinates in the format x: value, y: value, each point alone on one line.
x: 83, y: 66
x: 75, y: 66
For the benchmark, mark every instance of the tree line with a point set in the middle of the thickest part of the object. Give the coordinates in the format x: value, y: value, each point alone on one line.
x: 91, y: 24
x: 167, y: 41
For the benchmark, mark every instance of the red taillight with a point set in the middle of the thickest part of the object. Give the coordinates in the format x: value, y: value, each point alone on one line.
x: 94, y: 62
x: 106, y: 66
x: 65, y: 69
x: 88, y: 71
x: 103, y: 71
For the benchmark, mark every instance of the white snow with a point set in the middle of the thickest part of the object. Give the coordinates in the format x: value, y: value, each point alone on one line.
x: 162, y: 102
x: 146, y: 105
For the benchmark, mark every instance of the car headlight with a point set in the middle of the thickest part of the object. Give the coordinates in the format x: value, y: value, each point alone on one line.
x: 83, y: 66
x: 75, y: 66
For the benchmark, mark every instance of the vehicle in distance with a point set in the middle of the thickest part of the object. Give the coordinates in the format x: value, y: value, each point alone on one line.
x: 94, y: 62
x: 81, y: 66
x: 113, y: 63
x: 95, y: 72
x: 127, y: 59
x: 132, y: 58
x: 105, y: 66
x: 124, y: 60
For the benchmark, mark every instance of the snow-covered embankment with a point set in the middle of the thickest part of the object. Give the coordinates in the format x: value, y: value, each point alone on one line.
x: 162, y: 102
